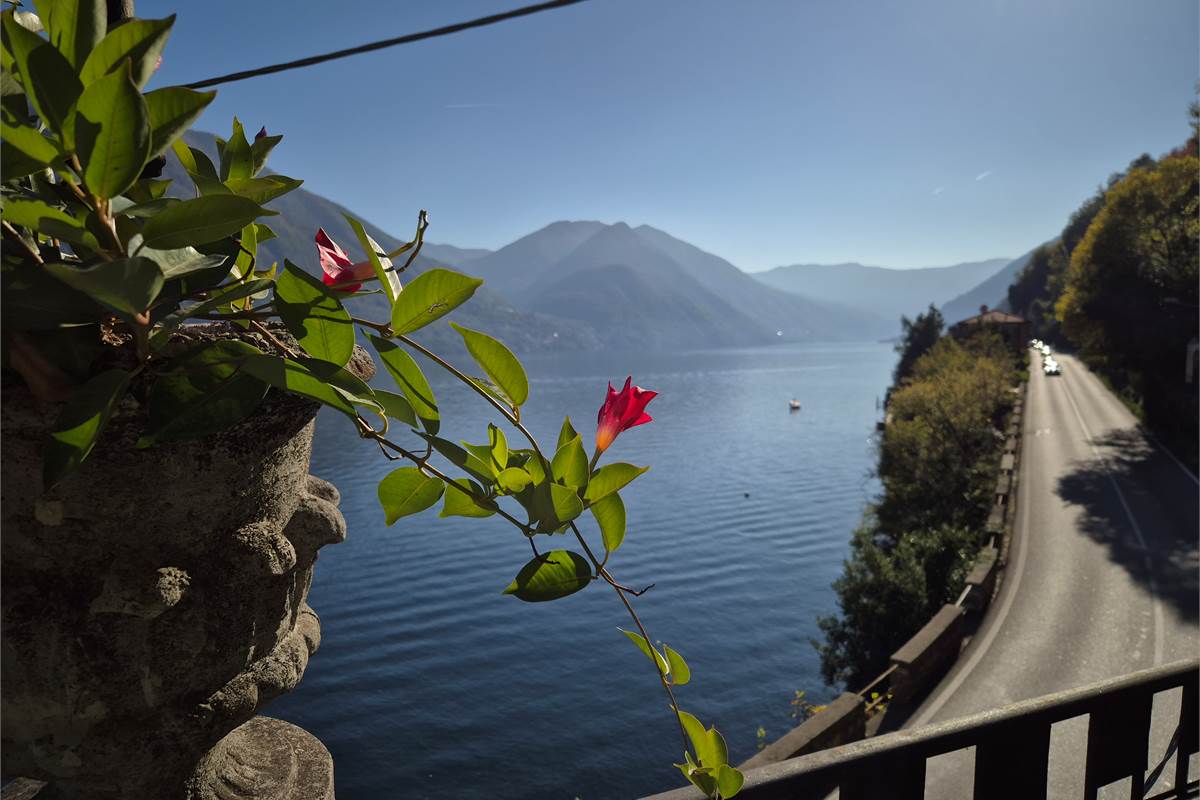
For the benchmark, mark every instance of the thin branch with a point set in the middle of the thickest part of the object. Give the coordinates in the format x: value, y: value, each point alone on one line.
x: 12, y: 234
x: 258, y: 326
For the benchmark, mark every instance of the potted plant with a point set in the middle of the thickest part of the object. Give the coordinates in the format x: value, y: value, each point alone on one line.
x: 160, y: 385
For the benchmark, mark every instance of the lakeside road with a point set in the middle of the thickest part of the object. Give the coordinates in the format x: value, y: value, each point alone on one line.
x: 1101, y: 578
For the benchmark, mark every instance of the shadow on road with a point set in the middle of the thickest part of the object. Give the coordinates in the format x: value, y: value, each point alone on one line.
x: 1162, y: 501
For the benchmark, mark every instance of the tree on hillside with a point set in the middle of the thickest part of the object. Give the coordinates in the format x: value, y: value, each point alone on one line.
x: 1131, y: 290
x: 918, y: 336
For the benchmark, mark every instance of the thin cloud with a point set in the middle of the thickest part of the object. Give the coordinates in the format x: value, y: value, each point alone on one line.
x: 939, y: 190
x: 983, y: 175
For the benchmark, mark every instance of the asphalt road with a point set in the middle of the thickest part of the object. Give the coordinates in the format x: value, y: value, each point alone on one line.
x: 1102, y: 576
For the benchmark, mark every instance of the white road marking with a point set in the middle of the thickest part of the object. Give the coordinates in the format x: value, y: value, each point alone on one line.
x: 1159, y: 629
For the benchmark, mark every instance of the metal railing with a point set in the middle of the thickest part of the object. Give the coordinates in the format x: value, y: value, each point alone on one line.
x: 1012, y: 746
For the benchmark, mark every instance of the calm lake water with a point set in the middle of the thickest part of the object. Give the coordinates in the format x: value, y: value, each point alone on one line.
x: 430, y: 683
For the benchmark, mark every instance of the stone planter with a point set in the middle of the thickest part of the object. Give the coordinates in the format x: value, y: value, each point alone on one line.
x: 154, y: 601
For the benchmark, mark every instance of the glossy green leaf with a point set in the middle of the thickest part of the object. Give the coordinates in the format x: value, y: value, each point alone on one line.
x: 74, y: 27
x: 497, y: 361
x: 171, y: 112
x: 291, y: 376
x: 314, y: 315
x: 23, y: 151
x: 112, y: 134
x: 680, y: 673
x: 460, y: 504
x: 128, y: 285
x: 475, y: 460
x: 411, y: 380
x: 264, y: 189
x: 48, y: 77
x: 650, y: 652
x: 570, y: 464
x: 201, y: 220
x: 408, y: 491
x: 566, y: 433
x: 610, y: 478
x: 50, y: 221
x: 182, y: 261
x: 513, y: 480
x: 430, y: 296
x: 388, y: 278
x: 350, y: 385
x: 207, y: 392
x: 610, y: 516
x: 139, y: 40
x: 567, y: 505
x: 700, y: 777
x: 729, y: 781
x: 235, y: 155
x: 700, y: 739
x: 32, y: 300
x: 80, y: 424
x: 396, y: 406
x: 551, y: 576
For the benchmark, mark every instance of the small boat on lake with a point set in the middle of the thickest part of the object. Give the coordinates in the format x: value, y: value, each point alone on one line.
x: 794, y: 404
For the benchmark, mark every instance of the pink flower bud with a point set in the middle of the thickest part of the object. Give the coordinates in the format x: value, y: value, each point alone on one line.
x: 621, y: 411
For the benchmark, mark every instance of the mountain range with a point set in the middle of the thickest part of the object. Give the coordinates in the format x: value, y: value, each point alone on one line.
x: 582, y: 285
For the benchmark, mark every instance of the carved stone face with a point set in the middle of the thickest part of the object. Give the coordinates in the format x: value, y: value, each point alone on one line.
x: 156, y: 599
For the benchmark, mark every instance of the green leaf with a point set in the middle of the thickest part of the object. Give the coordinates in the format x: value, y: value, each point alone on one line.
x: 459, y: 504
x: 651, y: 653
x: 513, y: 480
x: 499, y: 447
x: 291, y: 376
x: 408, y: 491
x: 397, y: 407
x: 49, y: 221
x: 313, y: 315
x: 476, y: 460
x: 430, y: 296
x: 140, y: 40
x: 610, y: 478
x: 729, y: 781
x: 80, y: 423
x: 570, y: 464
x: 49, y: 79
x: 717, y: 750
x: 680, y: 673
x: 408, y: 376
x: 32, y: 300
x: 23, y: 151
x: 206, y: 393
x: 700, y: 739
x: 498, y: 362
x: 378, y: 258
x: 235, y: 155
x: 260, y: 149
x: 610, y: 516
x: 700, y: 777
x: 551, y: 576
x: 112, y: 134
x: 350, y: 385
x: 128, y: 285
x: 182, y: 261
x: 200, y: 221
x: 171, y: 112
x: 567, y: 505
x: 74, y: 26
x: 566, y: 433
x: 262, y: 190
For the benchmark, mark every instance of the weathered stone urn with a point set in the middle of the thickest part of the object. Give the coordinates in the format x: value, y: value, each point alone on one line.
x: 154, y: 601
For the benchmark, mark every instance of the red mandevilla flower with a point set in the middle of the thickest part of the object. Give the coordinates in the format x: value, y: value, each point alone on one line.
x: 338, y: 267
x: 621, y: 411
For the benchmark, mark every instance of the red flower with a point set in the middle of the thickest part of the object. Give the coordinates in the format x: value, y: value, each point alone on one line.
x: 621, y: 411
x: 338, y: 267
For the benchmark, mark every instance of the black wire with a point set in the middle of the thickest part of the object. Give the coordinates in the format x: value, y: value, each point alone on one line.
x: 366, y: 48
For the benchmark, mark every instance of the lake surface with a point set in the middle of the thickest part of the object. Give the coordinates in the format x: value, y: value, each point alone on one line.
x: 430, y: 683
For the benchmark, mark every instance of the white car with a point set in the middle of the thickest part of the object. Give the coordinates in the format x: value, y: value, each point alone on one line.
x: 1050, y: 367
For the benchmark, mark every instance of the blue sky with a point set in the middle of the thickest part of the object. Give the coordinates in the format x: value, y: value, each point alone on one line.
x: 769, y: 132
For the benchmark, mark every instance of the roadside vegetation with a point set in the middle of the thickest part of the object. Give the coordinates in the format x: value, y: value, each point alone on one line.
x: 938, y: 457
x: 1120, y: 286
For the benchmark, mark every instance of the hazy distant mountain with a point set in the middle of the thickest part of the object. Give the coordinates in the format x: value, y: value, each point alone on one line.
x: 881, y: 290
x: 302, y: 212
x: 992, y: 292
x: 644, y: 286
